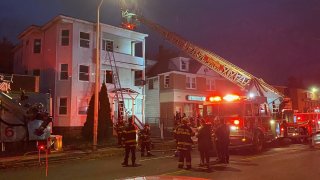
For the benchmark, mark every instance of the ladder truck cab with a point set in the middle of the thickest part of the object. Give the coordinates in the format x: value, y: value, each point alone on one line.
x: 248, y: 118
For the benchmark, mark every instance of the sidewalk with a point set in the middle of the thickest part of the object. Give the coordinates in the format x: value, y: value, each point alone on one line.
x: 32, y: 158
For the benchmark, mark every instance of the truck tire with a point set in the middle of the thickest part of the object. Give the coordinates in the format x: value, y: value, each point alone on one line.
x: 258, y: 142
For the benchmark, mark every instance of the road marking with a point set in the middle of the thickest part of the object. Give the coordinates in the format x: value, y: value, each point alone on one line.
x: 149, y: 159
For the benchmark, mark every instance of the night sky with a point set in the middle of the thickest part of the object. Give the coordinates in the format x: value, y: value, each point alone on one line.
x: 271, y: 39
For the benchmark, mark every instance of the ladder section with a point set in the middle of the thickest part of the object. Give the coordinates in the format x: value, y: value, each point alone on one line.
x: 223, y: 67
x: 116, y: 82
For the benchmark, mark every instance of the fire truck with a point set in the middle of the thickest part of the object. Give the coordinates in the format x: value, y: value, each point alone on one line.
x: 24, y: 116
x: 251, y: 116
x: 301, y: 127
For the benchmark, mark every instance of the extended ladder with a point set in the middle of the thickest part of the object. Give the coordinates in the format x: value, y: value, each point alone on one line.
x: 116, y: 81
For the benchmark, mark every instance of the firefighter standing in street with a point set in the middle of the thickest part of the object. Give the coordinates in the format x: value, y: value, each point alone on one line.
x: 130, y: 142
x: 184, y: 143
x: 119, y: 127
x: 222, y: 134
x: 204, y: 143
x: 144, y: 138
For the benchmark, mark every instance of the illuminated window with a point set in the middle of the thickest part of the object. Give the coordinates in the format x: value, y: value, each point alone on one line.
x: 84, y: 73
x: 37, y: 46
x: 107, y: 45
x: 84, y: 39
x: 190, y: 82
x: 210, y: 84
x: 64, y: 37
x: 63, y: 107
x: 83, y: 105
x: 109, y: 78
x: 64, y: 72
x: 166, y: 81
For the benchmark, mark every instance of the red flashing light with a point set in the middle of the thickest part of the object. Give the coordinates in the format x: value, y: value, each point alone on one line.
x: 282, y: 129
x: 128, y: 26
x: 41, y: 147
x: 236, y: 122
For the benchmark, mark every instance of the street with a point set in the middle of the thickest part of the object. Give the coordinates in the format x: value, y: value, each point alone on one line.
x: 291, y: 162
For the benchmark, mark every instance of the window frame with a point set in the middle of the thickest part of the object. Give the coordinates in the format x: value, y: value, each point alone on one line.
x: 166, y: 82
x: 211, y: 83
x: 37, y: 47
x: 184, y: 65
x: 107, y: 45
x: 64, y: 37
x: 84, y: 40
x: 79, y: 105
x: 79, y: 73
x: 66, y: 106
x: 106, y: 72
x: 62, y: 71
x: 191, y: 80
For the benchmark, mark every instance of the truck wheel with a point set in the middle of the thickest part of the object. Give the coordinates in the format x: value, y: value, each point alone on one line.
x: 258, y: 142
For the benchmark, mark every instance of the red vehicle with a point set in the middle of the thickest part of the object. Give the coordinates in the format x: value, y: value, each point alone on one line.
x: 249, y: 119
x: 300, y: 126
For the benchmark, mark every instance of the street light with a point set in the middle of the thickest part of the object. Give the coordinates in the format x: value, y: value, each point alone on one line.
x: 97, y: 80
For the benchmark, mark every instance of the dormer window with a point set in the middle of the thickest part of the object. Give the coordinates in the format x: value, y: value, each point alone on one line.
x: 184, y: 65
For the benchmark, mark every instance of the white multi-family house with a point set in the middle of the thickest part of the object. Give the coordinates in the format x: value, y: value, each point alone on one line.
x: 62, y: 54
x: 181, y: 85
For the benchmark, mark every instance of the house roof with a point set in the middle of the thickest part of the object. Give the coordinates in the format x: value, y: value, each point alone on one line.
x: 167, y: 65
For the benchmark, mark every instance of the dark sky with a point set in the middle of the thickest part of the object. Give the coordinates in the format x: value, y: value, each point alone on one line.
x: 271, y: 39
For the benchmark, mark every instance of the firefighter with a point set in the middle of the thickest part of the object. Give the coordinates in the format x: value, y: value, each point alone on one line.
x: 204, y: 143
x: 130, y: 142
x: 119, y: 127
x: 222, y: 134
x: 184, y: 143
x: 144, y: 138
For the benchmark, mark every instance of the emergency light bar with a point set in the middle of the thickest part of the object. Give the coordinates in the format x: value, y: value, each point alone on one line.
x: 228, y: 98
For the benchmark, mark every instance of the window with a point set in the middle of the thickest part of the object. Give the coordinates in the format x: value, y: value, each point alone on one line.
x: 109, y: 78
x: 64, y: 72
x: 150, y: 84
x: 107, y: 45
x: 138, y: 81
x: 84, y: 73
x: 36, y: 72
x: 63, y: 108
x: 84, y: 39
x: 65, y: 37
x: 190, y: 82
x: 184, y: 66
x: 37, y: 46
x: 166, y: 81
x: 210, y: 84
x: 83, y: 105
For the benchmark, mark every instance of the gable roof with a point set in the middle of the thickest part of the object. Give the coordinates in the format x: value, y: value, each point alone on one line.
x: 167, y: 65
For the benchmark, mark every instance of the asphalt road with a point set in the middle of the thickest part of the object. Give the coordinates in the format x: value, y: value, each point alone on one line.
x: 294, y: 162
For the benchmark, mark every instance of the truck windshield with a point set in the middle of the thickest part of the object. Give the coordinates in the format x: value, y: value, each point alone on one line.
x: 224, y: 109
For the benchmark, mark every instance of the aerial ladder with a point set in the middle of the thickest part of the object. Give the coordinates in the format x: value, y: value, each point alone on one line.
x: 226, y: 69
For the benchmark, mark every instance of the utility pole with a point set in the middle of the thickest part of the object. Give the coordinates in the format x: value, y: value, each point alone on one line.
x: 97, y: 84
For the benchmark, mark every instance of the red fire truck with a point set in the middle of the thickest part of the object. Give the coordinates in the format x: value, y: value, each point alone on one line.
x: 249, y: 119
x: 301, y: 127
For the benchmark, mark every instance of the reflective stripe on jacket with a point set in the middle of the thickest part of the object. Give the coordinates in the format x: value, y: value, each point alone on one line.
x: 183, y: 134
x: 130, y: 134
